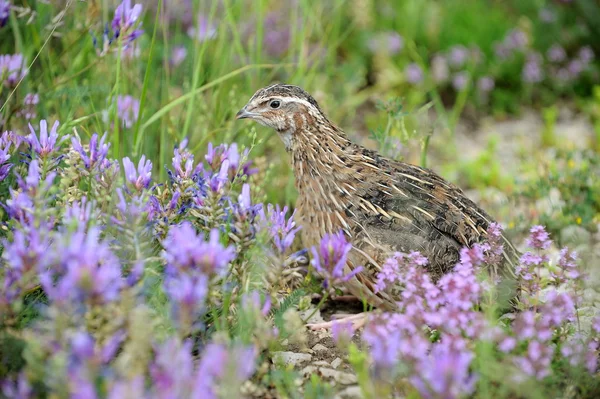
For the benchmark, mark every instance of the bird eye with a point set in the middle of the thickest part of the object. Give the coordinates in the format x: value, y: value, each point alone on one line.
x: 275, y: 104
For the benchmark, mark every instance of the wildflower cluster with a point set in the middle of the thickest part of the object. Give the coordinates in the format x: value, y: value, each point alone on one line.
x: 434, y: 336
x: 82, y: 241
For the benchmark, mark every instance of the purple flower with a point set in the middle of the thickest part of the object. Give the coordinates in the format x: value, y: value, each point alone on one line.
x: 485, y: 84
x: 390, y: 42
x: 580, y: 351
x: 97, y: 151
x: 178, y: 55
x: 187, y: 294
x: 128, y: 110
x: 12, y: 69
x: 536, y: 362
x: 342, y: 332
x: 539, y: 238
x: 4, y: 157
x: 575, y: 67
x: 19, y: 389
x: 186, y: 251
x: 82, y: 268
x: 458, y: 56
x: 141, y: 178
x: 215, y: 156
x: 125, y: 21
x: 254, y: 305
x: 183, y: 161
x: 413, y: 73
x: 27, y: 251
x: 567, y: 263
x: 444, y: 373
x: 331, y: 257
x: 532, y: 70
x: 460, y: 81
x: 439, y: 68
x: 277, y: 35
x: 29, y: 103
x: 4, y: 12
x: 516, y: 39
x: 281, y: 229
x: 397, y: 268
x: 204, y: 30
x: 586, y: 55
x: 556, y: 53
x: 47, y: 143
x: 546, y: 15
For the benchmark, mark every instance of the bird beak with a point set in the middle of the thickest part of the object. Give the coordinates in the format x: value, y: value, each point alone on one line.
x: 242, y: 114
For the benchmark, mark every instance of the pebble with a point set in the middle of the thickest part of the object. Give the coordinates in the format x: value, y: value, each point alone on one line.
x: 336, y: 362
x: 308, y: 370
x: 338, y: 376
x: 320, y: 348
x: 352, y: 392
x: 291, y: 358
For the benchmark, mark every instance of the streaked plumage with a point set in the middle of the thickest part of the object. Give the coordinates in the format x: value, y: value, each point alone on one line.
x: 382, y: 205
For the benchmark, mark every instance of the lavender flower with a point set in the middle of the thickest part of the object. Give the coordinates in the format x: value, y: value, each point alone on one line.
x: 342, y: 332
x: 539, y: 238
x: 580, y: 351
x: 22, y: 256
x: 557, y: 53
x: 12, y: 69
x: 178, y: 55
x: 277, y: 36
x: 569, y: 270
x: 141, y: 178
x: 586, y: 55
x: 445, y: 373
x: 485, y: 84
x: 186, y: 251
x: 47, y: 143
x: 281, y: 229
x: 546, y: 15
x: 82, y: 268
x: 19, y: 389
x: 390, y: 42
x: 4, y: 157
x: 330, y: 259
x: 575, y: 67
x: 460, y: 81
x: 78, y: 212
x: 29, y: 103
x: 98, y: 150
x: 204, y: 30
x: 183, y: 161
x: 4, y: 12
x: 125, y: 22
x: 128, y: 110
x: 458, y: 56
x: 414, y: 73
x: 532, y: 70
x: 536, y: 362
x: 187, y: 294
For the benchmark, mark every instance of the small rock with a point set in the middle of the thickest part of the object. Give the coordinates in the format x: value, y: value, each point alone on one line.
x: 320, y: 348
x: 293, y: 358
x: 336, y: 363
x: 308, y: 370
x: 322, y: 363
x: 338, y: 376
x: 353, y: 392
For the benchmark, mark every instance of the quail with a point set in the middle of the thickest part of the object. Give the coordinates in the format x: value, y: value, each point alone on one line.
x: 383, y: 206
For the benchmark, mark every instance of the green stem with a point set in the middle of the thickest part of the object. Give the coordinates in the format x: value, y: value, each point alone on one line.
x: 321, y: 302
x: 146, y: 77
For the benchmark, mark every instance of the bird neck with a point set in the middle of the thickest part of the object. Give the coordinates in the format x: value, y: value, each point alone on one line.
x: 320, y: 158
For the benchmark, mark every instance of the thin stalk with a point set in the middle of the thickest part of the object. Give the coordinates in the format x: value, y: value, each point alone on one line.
x: 146, y: 78
x: 321, y: 302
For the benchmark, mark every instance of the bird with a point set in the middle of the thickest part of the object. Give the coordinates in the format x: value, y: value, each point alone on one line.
x: 383, y: 206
